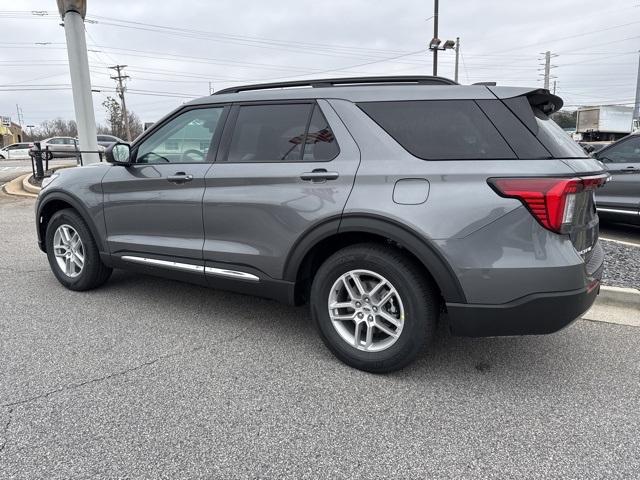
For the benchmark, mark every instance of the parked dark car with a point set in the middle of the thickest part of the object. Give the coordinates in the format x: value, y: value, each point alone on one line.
x: 619, y: 199
x: 384, y: 203
x: 106, y: 140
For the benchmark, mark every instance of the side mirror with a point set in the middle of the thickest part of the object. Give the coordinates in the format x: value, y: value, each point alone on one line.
x: 118, y: 153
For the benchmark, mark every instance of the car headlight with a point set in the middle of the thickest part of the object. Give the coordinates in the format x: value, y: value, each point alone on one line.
x: 47, y: 180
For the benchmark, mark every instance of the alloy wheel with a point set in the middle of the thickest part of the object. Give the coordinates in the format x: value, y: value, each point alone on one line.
x: 68, y: 250
x: 366, y: 310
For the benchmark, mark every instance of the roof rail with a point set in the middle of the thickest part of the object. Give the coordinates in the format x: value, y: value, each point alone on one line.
x: 331, y: 82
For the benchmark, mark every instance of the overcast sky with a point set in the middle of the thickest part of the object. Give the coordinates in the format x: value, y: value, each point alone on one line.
x: 176, y: 48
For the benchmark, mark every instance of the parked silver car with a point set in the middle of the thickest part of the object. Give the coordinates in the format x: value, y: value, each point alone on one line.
x: 60, y: 147
x: 619, y: 199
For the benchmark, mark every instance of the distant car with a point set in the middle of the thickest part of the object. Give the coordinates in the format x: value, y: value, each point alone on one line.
x: 619, y: 199
x: 57, y: 147
x: 592, y: 147
x: 106, y: 140
x: 15, y: 151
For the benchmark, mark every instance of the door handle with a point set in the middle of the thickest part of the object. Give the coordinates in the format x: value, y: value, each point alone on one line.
x: 180, y: 177
x: 319, y: 175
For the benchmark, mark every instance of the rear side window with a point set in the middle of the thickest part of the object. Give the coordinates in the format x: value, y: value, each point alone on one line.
x: 557, y: 142
x: 269, y: 133
x: 440, y: 129
x: 320, y: 145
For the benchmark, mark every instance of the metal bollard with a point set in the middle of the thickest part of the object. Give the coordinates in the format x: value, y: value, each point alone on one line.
x: 36, y: 154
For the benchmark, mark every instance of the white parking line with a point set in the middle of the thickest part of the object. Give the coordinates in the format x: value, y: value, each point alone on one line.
x: 622, y: 242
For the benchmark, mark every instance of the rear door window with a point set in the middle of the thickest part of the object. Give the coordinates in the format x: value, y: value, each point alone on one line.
x: 269, y: 133
x: 440, y: 129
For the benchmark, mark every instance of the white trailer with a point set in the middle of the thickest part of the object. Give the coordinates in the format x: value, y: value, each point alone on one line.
x: 604, y: 123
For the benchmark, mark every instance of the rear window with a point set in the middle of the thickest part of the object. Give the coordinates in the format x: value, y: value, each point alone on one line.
x: 440, y: 129
x: 557, y: 141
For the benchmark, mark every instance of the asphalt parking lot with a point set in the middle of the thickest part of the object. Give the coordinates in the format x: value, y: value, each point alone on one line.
x: 156, y: 379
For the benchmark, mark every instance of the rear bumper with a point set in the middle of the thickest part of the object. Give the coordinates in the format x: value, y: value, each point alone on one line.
x: 531, y: 315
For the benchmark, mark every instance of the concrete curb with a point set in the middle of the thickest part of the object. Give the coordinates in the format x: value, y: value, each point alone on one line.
x: 26, y: 185
x: 622, y: 297
x: 616, y: 305
x: 15, y: 187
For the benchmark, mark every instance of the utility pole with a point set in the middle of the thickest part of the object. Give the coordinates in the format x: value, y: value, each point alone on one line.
x: 554, y: 87
x: 120, y: 90
x: 547, y: 69
x: 435, y: 36
x: 210, y: 88
x: 73, y: 13
x: 19, y: 112
x: 455, y: 76
x: 636, y: 108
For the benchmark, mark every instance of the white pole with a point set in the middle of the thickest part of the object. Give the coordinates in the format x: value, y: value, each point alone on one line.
x: 81, y: 85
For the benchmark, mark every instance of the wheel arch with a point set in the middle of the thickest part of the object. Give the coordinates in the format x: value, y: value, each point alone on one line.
x: 54, y: 202
x: 325, y: 239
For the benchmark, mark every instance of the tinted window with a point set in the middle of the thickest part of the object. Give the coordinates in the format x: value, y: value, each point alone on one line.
x: 555, y: 139
x: 520, y: 139
x: 321, y: 145
x: 627, y: 151
x: 439, y: 129
x: 269, y: 133
x: 184, y: 139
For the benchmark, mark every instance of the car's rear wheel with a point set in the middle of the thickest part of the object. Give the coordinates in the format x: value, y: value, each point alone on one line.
x: 72, y: 252
x: 373, y: 307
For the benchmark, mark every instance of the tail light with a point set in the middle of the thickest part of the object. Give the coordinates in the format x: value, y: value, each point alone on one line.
x: 552, y: 201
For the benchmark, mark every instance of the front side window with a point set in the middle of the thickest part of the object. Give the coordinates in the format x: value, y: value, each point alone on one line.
x: 627, y: 151
x: 440, y: 129
x: 184, y: 139
x: 269, y: 133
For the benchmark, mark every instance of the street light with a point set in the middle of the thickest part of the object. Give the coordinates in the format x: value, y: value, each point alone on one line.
x: 435, y: 46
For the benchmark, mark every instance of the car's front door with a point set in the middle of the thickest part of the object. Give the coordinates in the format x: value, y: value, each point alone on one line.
x: 282, y: 169
x: 153, y: 208
x: 622, y: 193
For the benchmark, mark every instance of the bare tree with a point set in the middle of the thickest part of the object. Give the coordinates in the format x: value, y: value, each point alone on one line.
x: 115, y: 120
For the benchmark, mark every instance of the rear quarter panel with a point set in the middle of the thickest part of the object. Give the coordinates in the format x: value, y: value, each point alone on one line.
x: 494, y: 245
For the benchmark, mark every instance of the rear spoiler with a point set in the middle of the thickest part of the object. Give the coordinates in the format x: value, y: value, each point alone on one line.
x: 539, y: 98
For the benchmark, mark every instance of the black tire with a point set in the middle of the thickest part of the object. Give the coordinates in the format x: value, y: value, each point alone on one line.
x: 418, y: 296
x: 94, y: 273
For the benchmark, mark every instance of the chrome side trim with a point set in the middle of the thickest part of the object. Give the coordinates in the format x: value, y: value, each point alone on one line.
x: 231, y: 273
x: 191, y: 268
x: 164, y: 263
x: 617, y: 210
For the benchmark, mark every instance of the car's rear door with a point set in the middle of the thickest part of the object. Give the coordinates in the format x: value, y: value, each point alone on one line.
x: 283, y: 168
x: 153, y: 208
x: 621, y: 195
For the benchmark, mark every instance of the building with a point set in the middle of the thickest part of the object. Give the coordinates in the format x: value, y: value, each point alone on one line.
x: 10, y: 132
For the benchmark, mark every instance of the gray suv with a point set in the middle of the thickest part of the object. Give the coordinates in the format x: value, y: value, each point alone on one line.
x: 385, y: 203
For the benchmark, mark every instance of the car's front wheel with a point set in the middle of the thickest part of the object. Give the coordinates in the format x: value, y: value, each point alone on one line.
x: 374, y: 308
x: 72, y: 252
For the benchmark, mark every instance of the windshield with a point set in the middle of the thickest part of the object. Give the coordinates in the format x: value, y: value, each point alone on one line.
x: 555, y: 139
